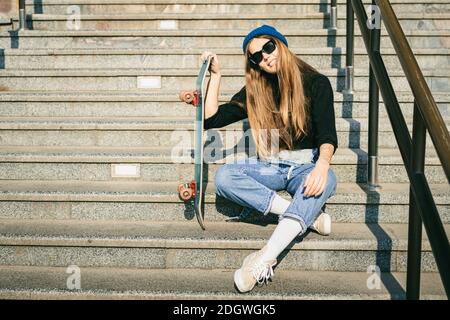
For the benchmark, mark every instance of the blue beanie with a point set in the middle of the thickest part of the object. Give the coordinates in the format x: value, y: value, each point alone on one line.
x: 263, y: 30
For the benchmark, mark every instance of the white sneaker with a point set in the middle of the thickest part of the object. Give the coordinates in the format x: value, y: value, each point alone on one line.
x: 253, y: 271
x: 322, y: 225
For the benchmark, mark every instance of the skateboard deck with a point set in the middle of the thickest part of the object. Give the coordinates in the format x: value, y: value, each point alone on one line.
x: 196, y: 188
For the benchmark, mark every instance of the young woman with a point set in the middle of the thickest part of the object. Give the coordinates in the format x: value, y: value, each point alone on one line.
x: 285, y: 95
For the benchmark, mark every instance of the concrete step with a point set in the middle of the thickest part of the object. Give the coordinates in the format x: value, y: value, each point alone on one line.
x: 196, y: 21
x: 97, y: 164
x: 136, y: 284
x: 217, y: 211
x: 157, y: 132
x: 232, y: 79
x: 28, y: 154
x: 166, y: 104
x: 90, y: 208
x: 190, y: 39
x: 351, y: 247
x: 159, y: 138
x: 322, y: 58
x: 126, y: 191
x: 166, y: 108
x: 98, y: 201
x: 175, y: 21
x: 162, y: 123
x: 118, y: 7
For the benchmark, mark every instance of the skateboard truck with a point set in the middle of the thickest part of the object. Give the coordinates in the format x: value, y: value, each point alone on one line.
x: 187, y: 190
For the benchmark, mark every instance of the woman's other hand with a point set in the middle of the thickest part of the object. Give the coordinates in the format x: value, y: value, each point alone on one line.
x: 317, y: 179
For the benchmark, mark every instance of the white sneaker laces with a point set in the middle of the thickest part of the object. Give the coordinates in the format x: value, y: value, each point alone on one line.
x: 262, y: 272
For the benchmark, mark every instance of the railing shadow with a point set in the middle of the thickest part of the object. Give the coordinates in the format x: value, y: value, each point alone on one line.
x: 336, y: 58
x: 14, y: 37
x: 324, y: 6
x: 2, y: 59
x: 37, y: 6
x: 384, y: 258
x: 37, y: 9
x: 29, y: 22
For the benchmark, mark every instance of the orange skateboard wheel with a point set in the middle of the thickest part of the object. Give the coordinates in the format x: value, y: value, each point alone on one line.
x: 190, y: 97
x: 185, y: 191
x: 186, y: 96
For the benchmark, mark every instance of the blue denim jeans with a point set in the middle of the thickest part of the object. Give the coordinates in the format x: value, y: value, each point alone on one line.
x: 253, y: 183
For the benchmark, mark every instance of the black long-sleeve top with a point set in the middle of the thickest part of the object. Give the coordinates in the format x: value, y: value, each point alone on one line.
x: 321, y: 122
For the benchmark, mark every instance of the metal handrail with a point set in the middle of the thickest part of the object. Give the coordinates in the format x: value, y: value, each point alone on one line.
x: 425, y: 101
x: 349, y: 49
x: 333, y: 15
x: 374, y: 102
x: 426, y: 116
x: 22, y: 15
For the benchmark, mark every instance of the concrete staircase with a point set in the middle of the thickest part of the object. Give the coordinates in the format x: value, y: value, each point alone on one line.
x: 74, y: 103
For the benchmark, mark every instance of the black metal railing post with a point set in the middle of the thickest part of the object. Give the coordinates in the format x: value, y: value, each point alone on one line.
x: 374, y: 101
x: 333, y: 15
x: 415, y: 221
x: 22, y: 15
x: 349, y: 49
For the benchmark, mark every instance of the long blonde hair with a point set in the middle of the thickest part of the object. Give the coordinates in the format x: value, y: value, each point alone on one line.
x: 263, y: 114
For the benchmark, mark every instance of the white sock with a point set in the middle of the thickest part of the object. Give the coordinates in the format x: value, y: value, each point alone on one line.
x: 279, y: 205
x: 286, y: 231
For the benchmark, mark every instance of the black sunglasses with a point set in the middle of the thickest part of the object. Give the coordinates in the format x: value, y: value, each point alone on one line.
x: 268, y: 48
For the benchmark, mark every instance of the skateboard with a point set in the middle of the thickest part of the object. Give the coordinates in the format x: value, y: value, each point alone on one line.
x: 195, y: 189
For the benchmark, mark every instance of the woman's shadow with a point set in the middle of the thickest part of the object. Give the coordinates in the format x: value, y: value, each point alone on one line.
x: 218, y: 152
x: 242, y: 149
